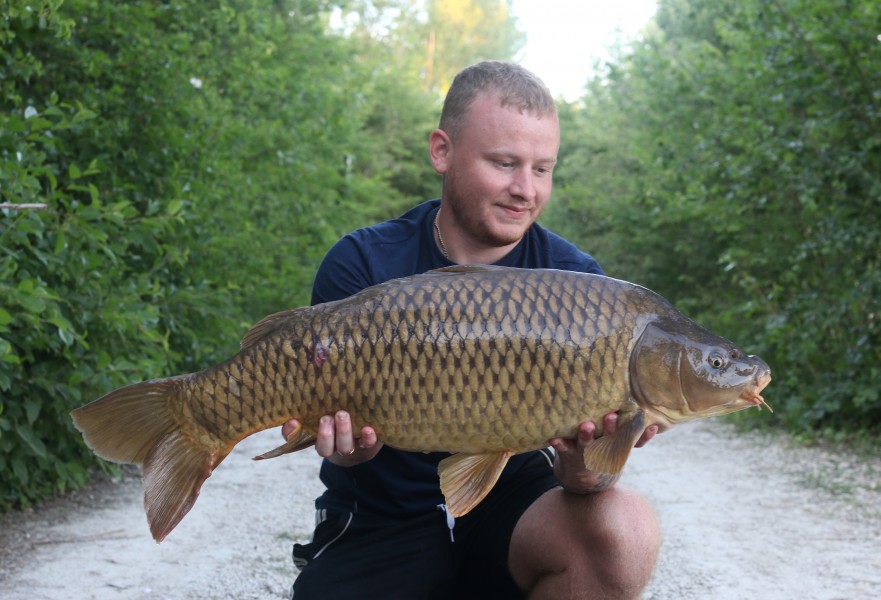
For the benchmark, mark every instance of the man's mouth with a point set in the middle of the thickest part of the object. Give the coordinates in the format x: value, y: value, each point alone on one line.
x: 515, y: 212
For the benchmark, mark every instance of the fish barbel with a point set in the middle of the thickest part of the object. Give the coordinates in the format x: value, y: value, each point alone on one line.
x: 482, y: 362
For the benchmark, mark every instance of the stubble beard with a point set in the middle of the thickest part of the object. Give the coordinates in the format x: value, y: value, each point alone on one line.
x: 475, y: 228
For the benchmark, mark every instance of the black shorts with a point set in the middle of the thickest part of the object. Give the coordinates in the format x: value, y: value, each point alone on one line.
x: 353, y: 555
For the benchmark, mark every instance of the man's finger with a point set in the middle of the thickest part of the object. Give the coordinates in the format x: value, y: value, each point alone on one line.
x: 368, y: 437
x: 326, y: 439
x: 288, y: 428
x: 610, y: 423
x: 647, y: 435
x: 345, y: 442
x: 586, y: 432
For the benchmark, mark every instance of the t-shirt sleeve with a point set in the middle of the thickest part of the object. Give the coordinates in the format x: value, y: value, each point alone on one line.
x: 568, y: 257
x: 342, y: 272
x: 590, y: 265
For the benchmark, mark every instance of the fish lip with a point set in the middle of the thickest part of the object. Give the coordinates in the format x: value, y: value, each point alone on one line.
x: 753, y: 393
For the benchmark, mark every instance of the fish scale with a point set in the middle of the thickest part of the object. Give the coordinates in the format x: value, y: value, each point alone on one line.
x: 456, y: 350
x: 457, y: 356
x: 483, y: 362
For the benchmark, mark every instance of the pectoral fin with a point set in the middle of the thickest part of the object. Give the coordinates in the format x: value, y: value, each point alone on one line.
x: 297, y: 440
x: 609, y: 453
x: 466, y: 479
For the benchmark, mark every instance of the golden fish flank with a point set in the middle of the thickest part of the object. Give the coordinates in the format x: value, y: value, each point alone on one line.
x: 483, y: 362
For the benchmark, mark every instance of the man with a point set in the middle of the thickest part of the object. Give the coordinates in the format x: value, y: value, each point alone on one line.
x: 549, y: 528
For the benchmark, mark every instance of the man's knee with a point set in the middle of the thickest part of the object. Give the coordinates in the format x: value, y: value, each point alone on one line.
x: 603, y: 545
x: 624, y: 548
x: 629, y: 521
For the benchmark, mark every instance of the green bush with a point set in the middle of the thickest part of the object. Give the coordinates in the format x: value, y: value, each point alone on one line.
x: 75, y: 316
x: 189, y: 159
x: 195, y: 160
x: 731, y: 160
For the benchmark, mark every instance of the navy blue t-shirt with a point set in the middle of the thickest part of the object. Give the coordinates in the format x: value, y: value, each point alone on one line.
x: 397, y: 483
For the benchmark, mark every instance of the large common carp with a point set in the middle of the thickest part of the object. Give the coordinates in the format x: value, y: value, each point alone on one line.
x: 483, y: 362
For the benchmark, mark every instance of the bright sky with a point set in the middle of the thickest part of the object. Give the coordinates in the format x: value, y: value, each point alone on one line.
x: 565, y: 37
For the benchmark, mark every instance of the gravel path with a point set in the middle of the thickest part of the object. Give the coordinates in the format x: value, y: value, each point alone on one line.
x: 743, y: 517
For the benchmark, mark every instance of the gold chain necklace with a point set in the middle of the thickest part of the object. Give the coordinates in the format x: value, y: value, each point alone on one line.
x: 440, y: 238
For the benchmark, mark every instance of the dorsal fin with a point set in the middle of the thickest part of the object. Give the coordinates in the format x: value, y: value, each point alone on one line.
x: 269, y: 325
x: 469, y: 269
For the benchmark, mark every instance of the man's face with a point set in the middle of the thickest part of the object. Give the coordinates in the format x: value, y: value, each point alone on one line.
x: 498, y: 172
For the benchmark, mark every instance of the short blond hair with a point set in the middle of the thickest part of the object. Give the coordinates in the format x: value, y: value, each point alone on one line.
x: 514, y: 85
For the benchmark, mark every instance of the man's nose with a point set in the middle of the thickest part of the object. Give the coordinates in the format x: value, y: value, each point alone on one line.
x: 523, y: 185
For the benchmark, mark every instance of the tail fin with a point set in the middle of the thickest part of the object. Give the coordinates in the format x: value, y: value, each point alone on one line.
x: 136, y: 424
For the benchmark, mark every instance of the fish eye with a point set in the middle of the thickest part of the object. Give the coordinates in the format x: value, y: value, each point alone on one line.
x: 716, y: 361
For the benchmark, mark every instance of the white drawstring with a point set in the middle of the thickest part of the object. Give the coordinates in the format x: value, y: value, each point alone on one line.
x: 451, y: 520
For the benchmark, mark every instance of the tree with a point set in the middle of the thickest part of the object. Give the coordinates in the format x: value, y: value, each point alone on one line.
x: 736, y: 155
x: 192, y: 159
x: 461, y: 32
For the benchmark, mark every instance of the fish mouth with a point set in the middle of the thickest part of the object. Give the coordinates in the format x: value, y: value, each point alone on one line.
x: 753, y: 393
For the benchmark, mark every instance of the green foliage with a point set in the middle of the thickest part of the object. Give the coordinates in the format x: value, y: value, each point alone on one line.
x: 399, y: 114
x: 143, y: 261
x: 195, y: 160
x: 64, y: 332
x: 434, y: 39
x: 737, y: 154
x: 458, y: 33
x: 410, y: 52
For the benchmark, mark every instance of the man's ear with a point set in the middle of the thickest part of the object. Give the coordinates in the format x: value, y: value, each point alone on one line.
x: 440, y: 150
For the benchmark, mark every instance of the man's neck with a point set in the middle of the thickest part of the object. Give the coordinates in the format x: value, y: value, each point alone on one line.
x: 463, y: 251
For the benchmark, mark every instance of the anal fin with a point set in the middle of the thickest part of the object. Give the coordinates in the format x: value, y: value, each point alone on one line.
x: 298, y: 439
x: 609, y: 453
x: 466, y: 479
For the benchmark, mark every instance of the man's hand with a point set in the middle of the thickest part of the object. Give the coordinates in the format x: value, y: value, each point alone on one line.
x: 569, y: 465
x: 337, y: 442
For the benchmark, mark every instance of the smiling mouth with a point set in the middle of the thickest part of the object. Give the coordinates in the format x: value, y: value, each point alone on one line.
x: 515, y: 211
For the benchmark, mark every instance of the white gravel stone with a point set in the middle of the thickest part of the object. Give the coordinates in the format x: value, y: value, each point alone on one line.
x: 744, y: 516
